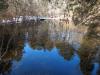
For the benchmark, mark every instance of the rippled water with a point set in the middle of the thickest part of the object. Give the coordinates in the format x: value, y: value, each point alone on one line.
x: 46, y: 48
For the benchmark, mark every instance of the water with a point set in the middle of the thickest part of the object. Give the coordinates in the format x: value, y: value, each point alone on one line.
x: 44, y: 62
x: 37, y: 50
x: 96, y: 68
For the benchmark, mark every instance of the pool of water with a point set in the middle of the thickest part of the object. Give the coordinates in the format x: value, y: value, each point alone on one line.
x: 44, y: 62
x: 37, y: 50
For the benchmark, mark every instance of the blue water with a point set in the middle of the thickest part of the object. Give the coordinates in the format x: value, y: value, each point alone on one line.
x: 45, y: 62
x: 96, y: 68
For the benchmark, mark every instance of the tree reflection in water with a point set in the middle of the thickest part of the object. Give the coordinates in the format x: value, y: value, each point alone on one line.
x: 10, y: 47
x: 90, y: 53
x: 59, y: 52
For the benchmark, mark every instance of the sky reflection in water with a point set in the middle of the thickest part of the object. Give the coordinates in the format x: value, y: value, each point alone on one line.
x: 45, y: 62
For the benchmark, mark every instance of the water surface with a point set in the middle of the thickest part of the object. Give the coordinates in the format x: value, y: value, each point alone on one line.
x: 43, y: 48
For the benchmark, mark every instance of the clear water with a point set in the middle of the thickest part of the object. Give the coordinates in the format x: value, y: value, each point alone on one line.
x: 44, y: 62
x: 37, y: 50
